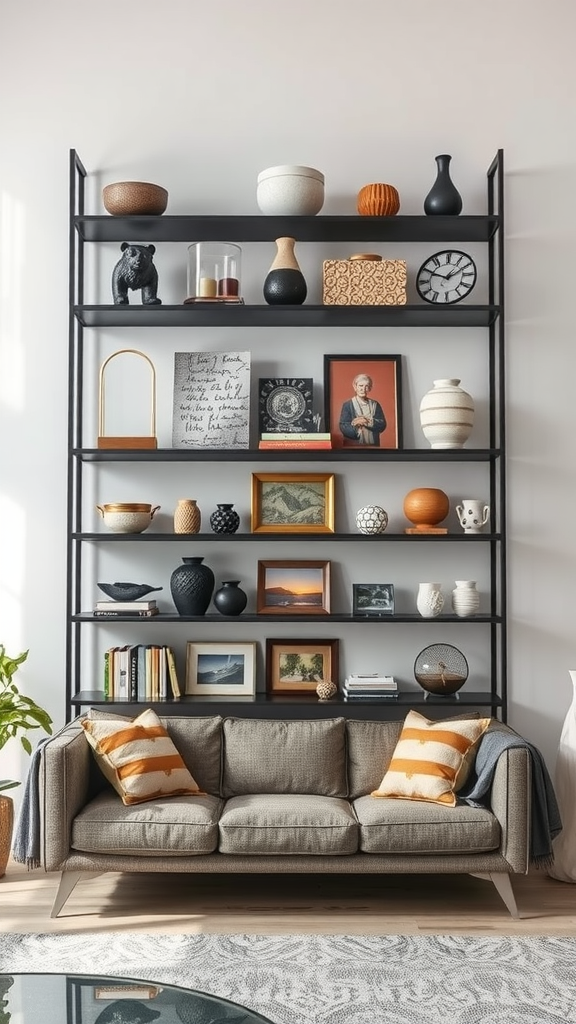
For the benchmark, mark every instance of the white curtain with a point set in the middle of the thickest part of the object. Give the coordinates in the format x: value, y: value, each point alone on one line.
x: 564, y: 867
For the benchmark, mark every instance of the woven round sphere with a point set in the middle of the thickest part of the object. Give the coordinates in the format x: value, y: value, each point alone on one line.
x: 326, y: 689
x: 426, y: 506
x: 134, y: 198
x: 371, y: 519
x: 378, y: 200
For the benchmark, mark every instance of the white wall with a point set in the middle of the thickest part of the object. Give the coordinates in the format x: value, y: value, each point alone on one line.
x: 200, y: 97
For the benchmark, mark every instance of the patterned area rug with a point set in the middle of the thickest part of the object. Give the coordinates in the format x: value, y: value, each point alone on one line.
x: 333, y: 979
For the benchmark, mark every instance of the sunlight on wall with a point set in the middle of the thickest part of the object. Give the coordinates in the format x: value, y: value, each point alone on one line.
x: 11, y: 278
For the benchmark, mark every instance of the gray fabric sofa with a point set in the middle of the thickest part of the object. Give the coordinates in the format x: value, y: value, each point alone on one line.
x: 281, y: 797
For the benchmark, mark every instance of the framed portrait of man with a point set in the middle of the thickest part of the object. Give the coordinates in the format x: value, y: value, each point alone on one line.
x: 363, y: 401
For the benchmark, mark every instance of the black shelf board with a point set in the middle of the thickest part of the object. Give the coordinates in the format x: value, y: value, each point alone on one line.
x: 164, y: 617
x: 239, y: 538
x: 230, y: 315
x: 298, y: 455
x: 261, y: 228
x: 406, y: 698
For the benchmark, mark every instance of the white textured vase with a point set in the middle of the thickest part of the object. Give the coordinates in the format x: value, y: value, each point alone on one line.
x: 447, y: 414
x: 465, y: 598
x: 564, y: 845
x: 371, y: 519
x: 430, y: 600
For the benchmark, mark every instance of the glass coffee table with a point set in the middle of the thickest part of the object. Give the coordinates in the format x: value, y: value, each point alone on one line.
x: 83, y: 999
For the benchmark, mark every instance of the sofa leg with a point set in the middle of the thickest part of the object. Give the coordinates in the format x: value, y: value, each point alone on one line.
x: 68, y: 881
x: 501, y: 880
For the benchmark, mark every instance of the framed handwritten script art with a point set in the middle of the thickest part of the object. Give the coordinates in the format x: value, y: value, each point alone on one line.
x: 211, y: 400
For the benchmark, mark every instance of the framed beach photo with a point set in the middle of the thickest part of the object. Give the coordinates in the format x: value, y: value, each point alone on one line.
x: 362, y: 396
x: 293, y: 588
x: 228, y: 669
x: 374, y: 599
x: 297, y: 666
x: 292, y: 503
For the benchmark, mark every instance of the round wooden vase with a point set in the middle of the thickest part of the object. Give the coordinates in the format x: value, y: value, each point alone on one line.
x: 6, y: 828
x: 285, y: 284
x: 425, y: 507
x: 378, y: 200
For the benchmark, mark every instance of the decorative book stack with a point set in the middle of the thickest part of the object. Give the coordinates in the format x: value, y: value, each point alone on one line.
x: 296, y: 440
x: 140, y: 672
x: 369, y: 687
x: 114, y: 609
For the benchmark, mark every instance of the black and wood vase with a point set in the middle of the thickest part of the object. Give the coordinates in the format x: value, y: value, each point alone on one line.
x: 443, y: 198
x: 191, y: 586
x: 285, y: 284
x: 230, y: 599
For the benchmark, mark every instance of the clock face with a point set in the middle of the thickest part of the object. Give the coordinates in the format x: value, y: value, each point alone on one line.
x: 446, y: 277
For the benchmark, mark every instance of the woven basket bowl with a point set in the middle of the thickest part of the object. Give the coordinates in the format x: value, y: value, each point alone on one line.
x: 378, y: 200
x: 134, y: 198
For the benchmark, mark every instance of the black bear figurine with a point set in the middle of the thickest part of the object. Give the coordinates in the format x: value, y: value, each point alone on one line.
x: 134, y: 270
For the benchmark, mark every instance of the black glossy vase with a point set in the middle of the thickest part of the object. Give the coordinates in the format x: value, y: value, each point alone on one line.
x: 230, y: 599
x: 191, y: 585
x: 285, y: 284
x: 225, y: 519
x: 443, y: 198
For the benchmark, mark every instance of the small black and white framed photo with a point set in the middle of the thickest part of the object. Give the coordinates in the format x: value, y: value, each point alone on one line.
x: 373, y: 599
x: 285, y: 404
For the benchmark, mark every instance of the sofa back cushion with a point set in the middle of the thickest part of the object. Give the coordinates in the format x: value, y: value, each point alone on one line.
x: 199, y: 741
x: 370, y: 749
x: 306, y: 757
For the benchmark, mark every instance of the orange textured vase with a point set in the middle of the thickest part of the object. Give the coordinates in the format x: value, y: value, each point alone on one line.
x: 378, y: 200
x: 426, y: 507
x: 6, y: 827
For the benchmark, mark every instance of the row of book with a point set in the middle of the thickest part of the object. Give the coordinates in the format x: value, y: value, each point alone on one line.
x: 140, y: 672
x: 280, y: 440
x: 369, y: 687
x: 139, y: 609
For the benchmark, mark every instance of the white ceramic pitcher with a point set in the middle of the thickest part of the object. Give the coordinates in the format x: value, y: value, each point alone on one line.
x: 473, y: 514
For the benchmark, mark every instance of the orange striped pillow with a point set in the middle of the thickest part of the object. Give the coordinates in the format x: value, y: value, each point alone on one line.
x: 431, y: 759
x: 138, y: 757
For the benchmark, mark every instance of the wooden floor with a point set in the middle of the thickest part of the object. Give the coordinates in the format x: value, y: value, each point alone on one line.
x: 287, y: 904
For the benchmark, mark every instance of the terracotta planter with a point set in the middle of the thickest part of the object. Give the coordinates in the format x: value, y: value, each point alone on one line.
x: 6, y: 829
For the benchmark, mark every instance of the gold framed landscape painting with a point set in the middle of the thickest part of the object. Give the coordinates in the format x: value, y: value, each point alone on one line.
x: 226, y: 669
x: 297, y: 666
x: 292, y: 503
x: 293, y: 587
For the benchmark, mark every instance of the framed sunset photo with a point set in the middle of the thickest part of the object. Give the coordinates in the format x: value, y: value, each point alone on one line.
x: 293, y: 588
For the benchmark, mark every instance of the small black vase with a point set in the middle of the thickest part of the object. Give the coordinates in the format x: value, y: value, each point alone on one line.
x: 230, y: 599
x: 191, y: 586
x: 225, y: 519
x: 443, y: 198
x: 285, y: 284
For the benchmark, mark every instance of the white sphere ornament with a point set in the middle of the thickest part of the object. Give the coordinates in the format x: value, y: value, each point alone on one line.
x: 371, y: 519
x: 447, y: 414
x: 326, y: 689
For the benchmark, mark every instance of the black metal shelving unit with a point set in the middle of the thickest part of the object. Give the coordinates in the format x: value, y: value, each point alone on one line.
x: 487, y: 229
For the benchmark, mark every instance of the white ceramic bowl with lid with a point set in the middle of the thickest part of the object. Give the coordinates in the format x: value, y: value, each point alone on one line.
x: 290, y: 190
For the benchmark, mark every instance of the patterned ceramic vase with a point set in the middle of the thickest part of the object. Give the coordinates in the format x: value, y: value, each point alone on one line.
x: 443, y: 198
x: 371, y: 519
x: 191, y: 586
x: 6, y: 829
x: 447, y: 414
x: 465, y: 598
x: 285, y: 284
x: 230, y: 599
x: 187, y: 516
x: 225, y: 519
x: 430, y: 600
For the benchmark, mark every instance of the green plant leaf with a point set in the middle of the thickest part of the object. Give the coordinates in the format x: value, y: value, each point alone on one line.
x: 7, y: 784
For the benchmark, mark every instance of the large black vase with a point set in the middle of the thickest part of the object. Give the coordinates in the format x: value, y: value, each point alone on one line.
x: 443, y: 198
x: 285, y: 284
x: 230, y: 599
x: 191, y: 586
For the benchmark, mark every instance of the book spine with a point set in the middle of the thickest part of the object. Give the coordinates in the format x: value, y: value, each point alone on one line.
x: 296, y: 436
x: 141, y: 689
x: 133, y: 654
x: 99, y: 613
x: 124, y: 606
x: 271, y: 445
x: 369, y: 696
x: 176, y: 691
x: 106, y: 675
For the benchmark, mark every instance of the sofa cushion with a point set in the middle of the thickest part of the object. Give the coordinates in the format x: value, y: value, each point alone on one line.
x: 306, y: 757
x: 181, y: 826
x: 288, y: 824
x: 430, y: 759
x: 370, y: 749
x: 407, y: 826
x: 138, y: 757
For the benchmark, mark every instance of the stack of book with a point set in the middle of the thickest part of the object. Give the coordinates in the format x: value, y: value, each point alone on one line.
x: 279, y: 441
x: 369, y: 687
x: 140, y: 672
x: 112, y: 609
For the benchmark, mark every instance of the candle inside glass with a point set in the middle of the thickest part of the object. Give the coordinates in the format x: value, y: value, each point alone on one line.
x: 228, y: 286
x: 207, y: 287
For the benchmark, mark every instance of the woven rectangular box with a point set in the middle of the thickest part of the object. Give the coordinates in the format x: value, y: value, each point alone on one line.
x: 364, y: 282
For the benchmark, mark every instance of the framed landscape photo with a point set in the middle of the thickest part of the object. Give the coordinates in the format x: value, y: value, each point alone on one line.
x: 373, y: 599
x: 292, y: 503
x: 362, y: 396
x: 228, y: 669
x: 293, y: 588
x: 297, y: 666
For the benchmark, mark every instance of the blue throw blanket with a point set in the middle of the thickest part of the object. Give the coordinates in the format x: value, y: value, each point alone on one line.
x: 545, y: 815
x: 26, y: 844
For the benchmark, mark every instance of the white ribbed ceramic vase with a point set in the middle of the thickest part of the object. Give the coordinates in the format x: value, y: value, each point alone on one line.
x: 430, y: 600
x: 465, y: 598
x: 447, y: 414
